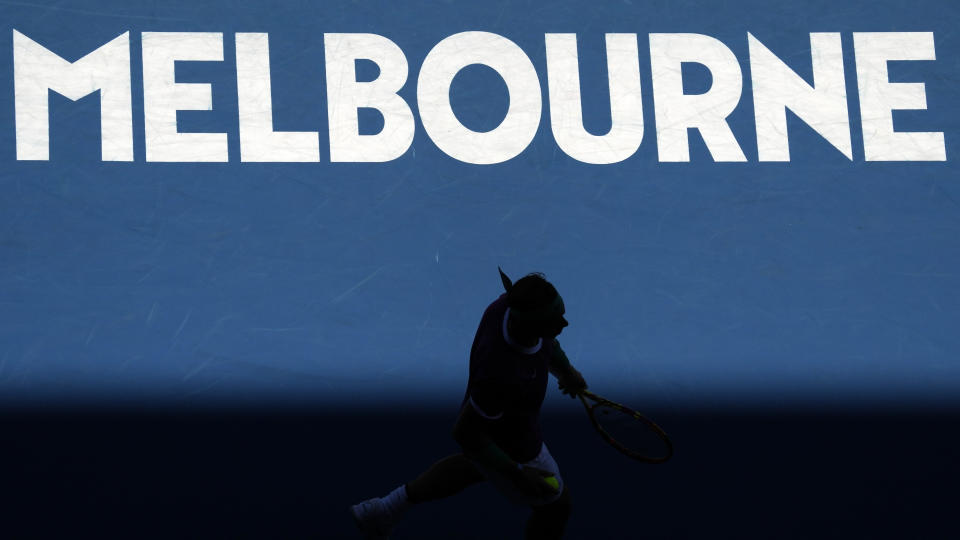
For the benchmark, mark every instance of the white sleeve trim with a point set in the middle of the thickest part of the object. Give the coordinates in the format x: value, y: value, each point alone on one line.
x: 481, y: 413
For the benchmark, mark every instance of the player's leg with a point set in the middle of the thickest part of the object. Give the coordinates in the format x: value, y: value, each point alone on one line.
x: 444, y: 478
x: 548, y: 522
x: 377, y: 517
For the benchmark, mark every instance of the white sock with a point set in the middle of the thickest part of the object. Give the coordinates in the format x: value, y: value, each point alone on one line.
x: 397, y: 502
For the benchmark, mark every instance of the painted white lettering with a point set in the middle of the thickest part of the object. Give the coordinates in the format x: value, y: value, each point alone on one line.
x: 520, y: 124
x: 163, y: 96
x: 676, y: 112
x: 566, y: 111
x: 879, y: 97
x: 345, y: 96
x: 822, y: 106
x: 37, y: 70
x: 258, y: 140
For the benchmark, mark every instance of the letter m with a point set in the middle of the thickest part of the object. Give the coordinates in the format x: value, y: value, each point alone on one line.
x: 36, y: 70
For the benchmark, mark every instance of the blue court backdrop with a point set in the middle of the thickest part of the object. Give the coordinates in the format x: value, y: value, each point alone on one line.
x: 824, y: 279
x: 723, y: 265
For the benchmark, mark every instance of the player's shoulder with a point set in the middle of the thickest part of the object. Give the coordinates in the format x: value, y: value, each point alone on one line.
x: 492, y: 321
x: 489, y: 347
x: 496, y: 308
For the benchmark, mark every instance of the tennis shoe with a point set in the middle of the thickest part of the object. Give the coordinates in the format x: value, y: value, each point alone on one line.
x: 373, y: 519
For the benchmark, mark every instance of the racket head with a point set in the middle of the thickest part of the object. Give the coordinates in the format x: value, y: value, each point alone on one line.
x: 630, y: 432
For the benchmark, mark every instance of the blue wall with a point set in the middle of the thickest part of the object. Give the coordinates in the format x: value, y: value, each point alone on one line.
x: 818, y: 281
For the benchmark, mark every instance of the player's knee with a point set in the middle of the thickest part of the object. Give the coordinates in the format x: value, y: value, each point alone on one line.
x: 469, y: 469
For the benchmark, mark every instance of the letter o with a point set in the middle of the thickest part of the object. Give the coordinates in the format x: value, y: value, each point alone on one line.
x: 522, y: 120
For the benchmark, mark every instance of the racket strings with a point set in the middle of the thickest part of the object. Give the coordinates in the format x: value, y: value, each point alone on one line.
x: 634, y: 434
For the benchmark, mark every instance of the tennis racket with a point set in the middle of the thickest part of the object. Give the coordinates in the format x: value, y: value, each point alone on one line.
x: 630, y: 432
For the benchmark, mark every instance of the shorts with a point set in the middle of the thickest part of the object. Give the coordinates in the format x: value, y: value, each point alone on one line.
x: 506, y: 486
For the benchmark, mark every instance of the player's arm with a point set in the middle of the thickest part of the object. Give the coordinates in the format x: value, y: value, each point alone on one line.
x: 569, y: 380
x: 559, y: 363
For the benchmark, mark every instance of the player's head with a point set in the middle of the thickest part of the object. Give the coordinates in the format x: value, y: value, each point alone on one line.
x: 535, y: 305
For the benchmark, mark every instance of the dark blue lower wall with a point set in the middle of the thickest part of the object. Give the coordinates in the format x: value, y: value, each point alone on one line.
x: 292, y: 474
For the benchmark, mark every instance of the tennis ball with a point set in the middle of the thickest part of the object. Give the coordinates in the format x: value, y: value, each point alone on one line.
x: 552, y: 480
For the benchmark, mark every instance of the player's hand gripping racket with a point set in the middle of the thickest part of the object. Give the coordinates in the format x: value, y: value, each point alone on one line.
x: 628, y: 431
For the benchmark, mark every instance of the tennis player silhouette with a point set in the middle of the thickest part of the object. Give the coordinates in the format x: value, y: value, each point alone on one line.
x: 498, y: 427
